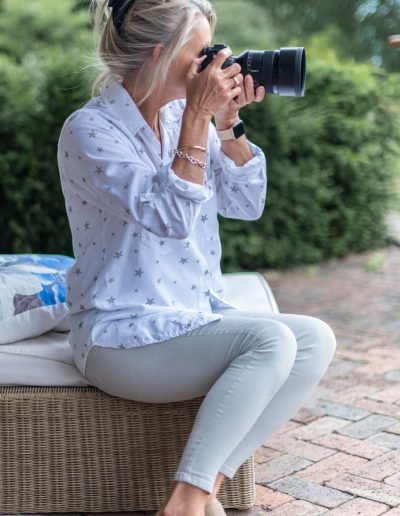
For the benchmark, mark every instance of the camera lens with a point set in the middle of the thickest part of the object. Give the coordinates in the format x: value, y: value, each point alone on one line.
x: 283, y: 71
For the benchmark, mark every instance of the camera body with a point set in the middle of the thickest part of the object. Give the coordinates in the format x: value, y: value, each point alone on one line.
x: 281, y: 72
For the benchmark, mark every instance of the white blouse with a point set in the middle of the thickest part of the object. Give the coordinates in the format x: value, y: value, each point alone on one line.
x: 145, y: 241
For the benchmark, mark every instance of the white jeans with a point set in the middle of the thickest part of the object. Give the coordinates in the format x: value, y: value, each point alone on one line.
x: 255, y: 369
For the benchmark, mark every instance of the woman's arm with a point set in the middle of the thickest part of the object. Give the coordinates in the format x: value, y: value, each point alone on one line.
x: 99, y: 164
x: 241, y: 189
x: 194, y: 131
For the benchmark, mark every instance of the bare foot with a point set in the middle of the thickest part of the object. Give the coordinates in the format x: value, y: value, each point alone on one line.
x: 182, y: 510
x: 188, y: 500
x: 184, y: 500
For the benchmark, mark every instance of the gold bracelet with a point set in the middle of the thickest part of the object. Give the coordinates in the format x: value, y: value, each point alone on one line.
x: 192, y: 159
x: 193, y: 147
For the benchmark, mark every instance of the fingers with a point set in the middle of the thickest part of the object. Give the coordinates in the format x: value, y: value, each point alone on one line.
x: 232, y: 70
x: 221, y: 57
x: 260, y: 94
x: 195, y: 66
x: 238, y: 77
x: 249, y: 89
x: 197, y: 62
x: 241, y: 99
x: 252, y: 96
x: 236, y: 91
x: 200, y: 59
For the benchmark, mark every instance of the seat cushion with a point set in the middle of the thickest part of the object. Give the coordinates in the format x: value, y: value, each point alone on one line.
x: 249, y: 290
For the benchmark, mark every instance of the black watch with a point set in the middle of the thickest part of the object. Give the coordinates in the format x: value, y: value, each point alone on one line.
x: 233, y: 133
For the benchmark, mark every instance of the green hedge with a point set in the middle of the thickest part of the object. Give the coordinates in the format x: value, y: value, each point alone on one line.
x: 331, y: 157
x: 36, y: 97
x: 330, y: 170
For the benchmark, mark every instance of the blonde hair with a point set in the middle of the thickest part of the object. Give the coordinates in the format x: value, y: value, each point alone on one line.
x: 146, y: 24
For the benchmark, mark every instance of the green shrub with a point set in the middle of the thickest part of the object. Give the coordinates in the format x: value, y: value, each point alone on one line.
x: 39, y: 24
x: 330, y: 170
x: 36, y: 97
x: 249, y: 28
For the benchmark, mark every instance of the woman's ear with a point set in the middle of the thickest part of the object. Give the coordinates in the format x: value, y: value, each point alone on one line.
x: 157, y: 51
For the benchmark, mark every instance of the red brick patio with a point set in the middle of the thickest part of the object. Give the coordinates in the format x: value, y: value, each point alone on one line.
x: 340, y: 454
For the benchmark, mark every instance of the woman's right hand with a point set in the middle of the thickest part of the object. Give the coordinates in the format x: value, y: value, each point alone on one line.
x: 211, y: 89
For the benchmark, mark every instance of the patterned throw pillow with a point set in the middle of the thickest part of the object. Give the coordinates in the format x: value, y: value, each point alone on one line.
x: 32, y: 295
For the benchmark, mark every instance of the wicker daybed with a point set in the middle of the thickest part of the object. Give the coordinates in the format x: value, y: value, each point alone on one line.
x: 79, y: 449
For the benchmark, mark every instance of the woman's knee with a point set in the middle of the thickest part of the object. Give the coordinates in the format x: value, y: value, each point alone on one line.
x: 277, y: 342
x: 322, y: 345
x: 325, y: 337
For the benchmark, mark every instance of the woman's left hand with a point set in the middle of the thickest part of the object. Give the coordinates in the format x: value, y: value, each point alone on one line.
x: 226, y: 116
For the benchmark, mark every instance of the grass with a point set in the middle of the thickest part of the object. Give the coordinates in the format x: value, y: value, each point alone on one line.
x: 375, y: 262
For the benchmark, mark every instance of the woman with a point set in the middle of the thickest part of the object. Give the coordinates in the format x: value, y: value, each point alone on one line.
x: 146, y: 309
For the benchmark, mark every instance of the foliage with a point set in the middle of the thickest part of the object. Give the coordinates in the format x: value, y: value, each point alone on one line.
x: 40, y: 24
x: 363, y: 25
x: 248, y: 28
x: 36, y: 97
x: 330, y: 170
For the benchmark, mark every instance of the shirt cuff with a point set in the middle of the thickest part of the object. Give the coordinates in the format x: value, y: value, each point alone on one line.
x: 187, y: 189
x: 251, y: 167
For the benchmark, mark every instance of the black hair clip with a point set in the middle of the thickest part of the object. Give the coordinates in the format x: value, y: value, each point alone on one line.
x: 119, y: 10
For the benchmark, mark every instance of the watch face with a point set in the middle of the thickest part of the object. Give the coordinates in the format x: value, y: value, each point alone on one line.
x: 239, y: 130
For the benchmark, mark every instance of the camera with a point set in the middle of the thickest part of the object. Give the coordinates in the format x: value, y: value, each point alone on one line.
x: 281, y: 72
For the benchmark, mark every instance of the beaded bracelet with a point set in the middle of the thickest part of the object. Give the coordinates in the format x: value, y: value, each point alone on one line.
x: 192, y: 159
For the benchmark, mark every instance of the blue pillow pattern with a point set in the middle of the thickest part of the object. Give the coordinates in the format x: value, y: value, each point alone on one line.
x: 32, y: 295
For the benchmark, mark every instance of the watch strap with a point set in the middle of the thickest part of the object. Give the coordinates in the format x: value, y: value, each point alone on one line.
x: 230, y: 133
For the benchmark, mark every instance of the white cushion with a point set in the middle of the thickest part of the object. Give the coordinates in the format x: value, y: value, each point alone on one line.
x: 44, y: 360
x: 248, y: 290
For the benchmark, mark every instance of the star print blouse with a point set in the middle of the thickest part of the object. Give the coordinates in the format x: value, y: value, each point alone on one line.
x: 145, y: 241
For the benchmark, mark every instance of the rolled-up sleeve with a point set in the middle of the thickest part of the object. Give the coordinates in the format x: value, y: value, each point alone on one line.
x: 106, y: 169
x: 241, y: 190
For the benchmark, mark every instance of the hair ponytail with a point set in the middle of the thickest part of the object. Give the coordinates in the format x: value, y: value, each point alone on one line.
x: 146, y: 24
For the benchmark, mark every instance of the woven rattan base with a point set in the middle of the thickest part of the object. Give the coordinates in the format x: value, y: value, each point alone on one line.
x: 78, y: 449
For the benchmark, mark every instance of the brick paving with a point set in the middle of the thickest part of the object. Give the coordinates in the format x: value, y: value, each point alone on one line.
x: 343, y: 455
x: 340, y: 454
